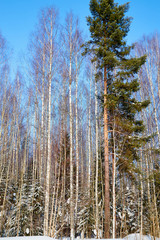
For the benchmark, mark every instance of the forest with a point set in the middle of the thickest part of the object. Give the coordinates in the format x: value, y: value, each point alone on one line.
x: 79, y: 129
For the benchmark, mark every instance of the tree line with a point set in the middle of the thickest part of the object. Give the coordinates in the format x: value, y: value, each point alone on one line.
x: 79, y: 130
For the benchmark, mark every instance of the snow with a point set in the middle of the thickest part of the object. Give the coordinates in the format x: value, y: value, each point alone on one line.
x: 27, y: 238
x: 136, y: 236
x: 27, y: 230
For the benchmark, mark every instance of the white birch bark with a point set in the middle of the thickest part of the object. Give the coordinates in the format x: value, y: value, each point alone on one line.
x: 71, y: 133
x: 77, y: 145
x: 64, y: 120
x: 8, y: 164
x: 34, y: 164
x: 96, y: 180
x: 42, y: 119
x: 141, y: 179
x: 14, y: 141
x: 157, y: 63
x: 20, y: 193
x: 114, y: 181
x: 149, y: 71
x: 150, y: 79
x: 156, y: 224
x: 141, y: 167
x: 46, y: 211
x: 4, y: 106
x: 89, y: 138
x: 82, y: 160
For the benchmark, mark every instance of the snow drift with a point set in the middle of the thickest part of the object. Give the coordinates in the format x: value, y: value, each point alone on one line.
x: 136, y: 236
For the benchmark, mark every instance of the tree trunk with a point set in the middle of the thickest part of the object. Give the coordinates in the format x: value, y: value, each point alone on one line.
x: 106, y: 156
x: 71, y: 137
x: 89, y: 140
x: 141, y: 179
x: 42, y: 122
x: 114, y: 181
x: 77, y: 145
x: 46, y: 211
x: 96, y: 181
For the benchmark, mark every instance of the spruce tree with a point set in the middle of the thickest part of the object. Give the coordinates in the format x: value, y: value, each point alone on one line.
x: 108, y: 28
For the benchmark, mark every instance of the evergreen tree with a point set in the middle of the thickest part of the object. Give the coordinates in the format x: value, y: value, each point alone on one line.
x: 109, y: 27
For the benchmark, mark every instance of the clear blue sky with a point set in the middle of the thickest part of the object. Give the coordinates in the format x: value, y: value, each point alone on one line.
x: 18, y: 18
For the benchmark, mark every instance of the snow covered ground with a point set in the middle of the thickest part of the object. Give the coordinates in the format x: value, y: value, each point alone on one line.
x: 136, y: 236
x: 27, y: 238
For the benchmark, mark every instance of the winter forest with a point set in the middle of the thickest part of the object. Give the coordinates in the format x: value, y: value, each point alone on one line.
x: 80, y: 129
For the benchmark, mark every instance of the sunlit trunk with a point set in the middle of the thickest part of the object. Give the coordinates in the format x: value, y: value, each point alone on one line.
x: 106, y: 156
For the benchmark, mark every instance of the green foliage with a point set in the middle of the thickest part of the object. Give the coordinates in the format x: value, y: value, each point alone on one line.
x: 109, y: 27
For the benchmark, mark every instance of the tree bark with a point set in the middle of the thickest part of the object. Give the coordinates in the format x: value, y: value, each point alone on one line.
x: 71, y: 136
x: 46, y: 211
x: 114, y: 181
x: 89, y: 140
x: 77, y: 145
x: 96, y: 181
x: 106, y: 156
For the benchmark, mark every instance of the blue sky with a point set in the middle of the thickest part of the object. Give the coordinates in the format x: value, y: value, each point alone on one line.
x: 19, y: 17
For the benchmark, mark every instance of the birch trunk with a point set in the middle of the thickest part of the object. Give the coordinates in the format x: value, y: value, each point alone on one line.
x: 114, y: 181
x: 150, y: 79
x: 42, y: 120
x: 150, y: 164
x: 157, y: 63
x: 8, y: 164
x: 141, y: 179
x: 20, y: 193
x: 64, y: 121
x: 89, y: 140
x: 46, y: 210
x: 82, y: 160
x: 34, y: 162
x: 77, y: 145
x: 71, y: 137
x: 106, y: 156
x: 96, y: 181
